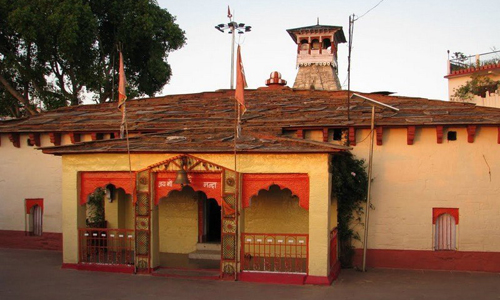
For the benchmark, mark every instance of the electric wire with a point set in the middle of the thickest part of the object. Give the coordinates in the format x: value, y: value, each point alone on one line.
x: 369, y: 10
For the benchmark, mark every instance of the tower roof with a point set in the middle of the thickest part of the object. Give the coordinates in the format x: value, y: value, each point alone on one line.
x: 339, y: 33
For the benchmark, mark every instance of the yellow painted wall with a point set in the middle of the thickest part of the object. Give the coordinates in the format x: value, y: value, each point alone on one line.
x: 28, y: 173
x: 275, y: 211
x: 178, y: 222
x: 315, y: 165
x: 120, y: 212
x: 411, y: 180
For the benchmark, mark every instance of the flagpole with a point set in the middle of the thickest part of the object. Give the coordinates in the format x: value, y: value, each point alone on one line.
x: 232, y: 56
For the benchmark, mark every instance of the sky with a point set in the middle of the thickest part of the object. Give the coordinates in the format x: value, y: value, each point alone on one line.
x: 400, y: 46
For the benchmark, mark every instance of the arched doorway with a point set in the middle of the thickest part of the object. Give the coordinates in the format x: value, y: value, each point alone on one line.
x: 212, y: 221
x: 158, y: 179
x: 35, y: 221
x: 189, y: 230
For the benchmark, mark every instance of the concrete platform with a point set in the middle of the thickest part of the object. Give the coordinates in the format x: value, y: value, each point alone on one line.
x: 32, y: 274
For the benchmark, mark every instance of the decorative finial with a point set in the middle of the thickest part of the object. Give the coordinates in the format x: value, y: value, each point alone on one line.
x: 317, y: 21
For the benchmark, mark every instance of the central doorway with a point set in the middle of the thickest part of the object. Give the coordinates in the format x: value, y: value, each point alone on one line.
x: 211, y: 221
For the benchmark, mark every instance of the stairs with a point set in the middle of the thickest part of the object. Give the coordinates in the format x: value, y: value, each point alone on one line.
x: 206, y: 251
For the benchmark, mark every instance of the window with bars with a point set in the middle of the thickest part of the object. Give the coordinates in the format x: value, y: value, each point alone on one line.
x: 445, y: 228
x: 34, y: 212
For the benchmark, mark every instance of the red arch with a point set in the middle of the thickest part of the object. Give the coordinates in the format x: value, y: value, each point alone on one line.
x: 209, y: 183
x: 297, y: 183
x: 436, y: 212
x: 90, y: 181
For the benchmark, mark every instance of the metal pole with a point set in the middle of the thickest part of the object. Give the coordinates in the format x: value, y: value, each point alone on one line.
x: 233, y: 28
x: 351, y: 27
x: 367, y: 209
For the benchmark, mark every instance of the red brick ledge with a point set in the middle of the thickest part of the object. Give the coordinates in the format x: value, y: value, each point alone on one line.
x: 100, y: 268
x: 16, y: 239
x: 430, y: 260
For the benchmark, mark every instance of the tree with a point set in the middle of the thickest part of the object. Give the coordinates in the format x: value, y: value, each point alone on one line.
x: 54, y: 52
x: 477, y: 86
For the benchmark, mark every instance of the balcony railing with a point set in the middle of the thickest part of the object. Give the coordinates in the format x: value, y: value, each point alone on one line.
x: 106, y: 246
x: 280, y: 253
x: 474, y: 61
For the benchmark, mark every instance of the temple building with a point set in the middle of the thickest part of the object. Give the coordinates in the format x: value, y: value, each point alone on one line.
x: 183, y: 192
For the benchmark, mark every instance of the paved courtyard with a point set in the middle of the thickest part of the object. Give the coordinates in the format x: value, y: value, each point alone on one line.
x: 32, y: 274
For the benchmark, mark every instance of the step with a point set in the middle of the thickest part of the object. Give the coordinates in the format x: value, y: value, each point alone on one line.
x: 208, y: 246
x: 205, y: 254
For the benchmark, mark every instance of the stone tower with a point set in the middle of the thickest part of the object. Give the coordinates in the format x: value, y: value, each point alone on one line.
x: 317, y: 56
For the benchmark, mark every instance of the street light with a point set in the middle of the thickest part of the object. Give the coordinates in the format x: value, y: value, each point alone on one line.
x: 232, y: 28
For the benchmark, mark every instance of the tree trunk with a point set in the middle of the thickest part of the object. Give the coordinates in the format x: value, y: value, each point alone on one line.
x: 16, y: 95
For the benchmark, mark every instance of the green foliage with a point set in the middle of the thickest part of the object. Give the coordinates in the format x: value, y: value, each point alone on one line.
x: 95, y: 208
x: 459, y: 56
x: 349, y: 187
x: 477, y: 86
x: 53, y: 52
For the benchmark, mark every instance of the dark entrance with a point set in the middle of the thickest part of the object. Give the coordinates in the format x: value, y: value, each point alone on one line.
x: 212, y: 221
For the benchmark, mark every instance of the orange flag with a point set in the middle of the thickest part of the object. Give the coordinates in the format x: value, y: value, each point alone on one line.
x: 241, y: 82
x: 122, y: 97
x: 121, y: 85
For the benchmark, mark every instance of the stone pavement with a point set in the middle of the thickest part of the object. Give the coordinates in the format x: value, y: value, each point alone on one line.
x: 33, y: 274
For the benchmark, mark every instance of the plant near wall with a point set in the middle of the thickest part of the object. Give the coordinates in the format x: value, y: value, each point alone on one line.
x: 95, y: 209
x: 477, y: 86
x: 349, y: 187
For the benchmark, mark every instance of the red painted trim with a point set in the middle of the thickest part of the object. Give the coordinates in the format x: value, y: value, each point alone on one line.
x: 439, y: 134
x: 274, y: 278
x: 300, y: 133
x: 209, y: 183
x: 32, y: 202
x: 319, y: 280
x: 297, y: 183
x: 90, y: 181
x: 410, y: 135
x: 380, y: 135
x: 471, y: 70
x: 15, y: 139
x: 55, y: 138
x: 335, y: 271
x: 325, y: 135
x: 34, y: 139
x: 471, y: 132
x: 74, y: 137
x: 15, y: 239
x: 352, y: 136
x: 100, y: 268
x: 430, y: 260
x: 436, y: 212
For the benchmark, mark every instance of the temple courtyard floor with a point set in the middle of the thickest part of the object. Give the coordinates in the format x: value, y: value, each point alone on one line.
x: 33, y: 274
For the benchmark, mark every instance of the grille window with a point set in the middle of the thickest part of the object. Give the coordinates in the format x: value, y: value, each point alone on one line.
x: 445, y: 233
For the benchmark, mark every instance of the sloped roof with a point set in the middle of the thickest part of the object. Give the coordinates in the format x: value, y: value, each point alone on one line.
x: 199, y: 141
x: 267, y: 109
x: 206, y: 119
x: 339, y: 34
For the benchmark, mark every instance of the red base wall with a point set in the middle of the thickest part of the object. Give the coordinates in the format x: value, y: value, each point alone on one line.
x: 100, y: 268
x: 19, y: 240
x: 430, y: 260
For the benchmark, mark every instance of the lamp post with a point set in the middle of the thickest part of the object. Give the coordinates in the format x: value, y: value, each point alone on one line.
x: 232, y: 28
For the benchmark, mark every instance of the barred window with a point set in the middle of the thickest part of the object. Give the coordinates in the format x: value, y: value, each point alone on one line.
x: 445, y: 229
